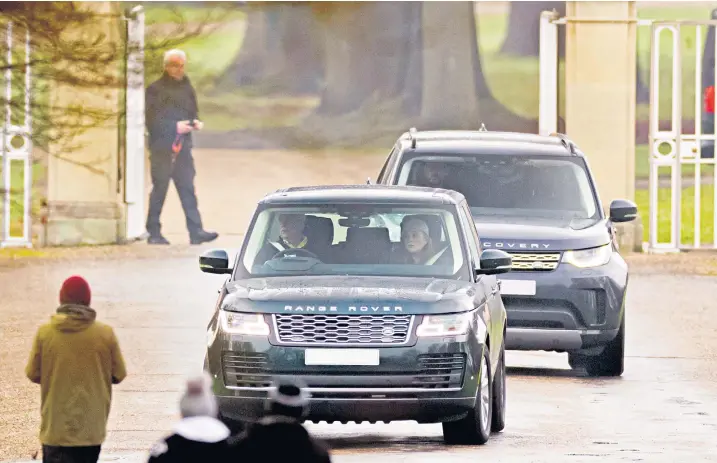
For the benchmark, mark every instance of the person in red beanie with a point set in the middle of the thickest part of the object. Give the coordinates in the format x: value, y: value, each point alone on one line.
x: 75, y: 360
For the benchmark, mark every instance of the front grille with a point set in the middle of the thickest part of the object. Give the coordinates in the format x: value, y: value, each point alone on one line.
x: 342, y: 330
x: 433, y: 371
x: 440, y: 371
x: 245, y: 369
x: 535, y: 262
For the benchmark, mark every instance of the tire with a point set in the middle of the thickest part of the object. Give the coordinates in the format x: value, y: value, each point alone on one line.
x: 611, y: 361
x: 475, y: 428
x: 499, y: 394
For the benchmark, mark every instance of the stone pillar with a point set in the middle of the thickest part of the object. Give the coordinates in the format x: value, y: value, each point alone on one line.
x: 84, y: 198
x: 600, y: 63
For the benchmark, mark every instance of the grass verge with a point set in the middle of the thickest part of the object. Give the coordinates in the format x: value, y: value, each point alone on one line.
x: 642, y: 165
x: 687, y: 226
x: 17, y: 190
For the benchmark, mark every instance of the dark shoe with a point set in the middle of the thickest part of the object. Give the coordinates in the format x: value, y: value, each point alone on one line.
x: 157, y: 239
x: 203, y: 237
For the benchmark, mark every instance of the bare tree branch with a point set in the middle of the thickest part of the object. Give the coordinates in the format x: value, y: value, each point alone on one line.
x: 72, y: 49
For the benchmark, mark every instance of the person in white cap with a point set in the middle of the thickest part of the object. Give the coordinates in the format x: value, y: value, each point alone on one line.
x: 279, y: 436
x: 199, y: 435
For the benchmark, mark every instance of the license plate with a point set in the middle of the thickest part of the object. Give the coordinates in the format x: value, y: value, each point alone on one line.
x: 517, y: 287
x: 341, y: 357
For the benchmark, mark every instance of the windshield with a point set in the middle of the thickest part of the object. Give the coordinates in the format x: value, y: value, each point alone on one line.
x: 355, y: 239
x: 548, y: 187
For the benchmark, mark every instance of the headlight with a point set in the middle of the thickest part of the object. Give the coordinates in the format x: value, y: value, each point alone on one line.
x: 585, y: 258
x: 445, y: 325
x: 243, y: 323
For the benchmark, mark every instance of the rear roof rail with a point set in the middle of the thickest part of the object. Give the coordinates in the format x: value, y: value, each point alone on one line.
x: 567, y: 143
x: 411, y: 136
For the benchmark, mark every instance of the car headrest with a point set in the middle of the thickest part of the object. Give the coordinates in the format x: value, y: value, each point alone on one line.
x: 374, y: 235
x: 319, y: 229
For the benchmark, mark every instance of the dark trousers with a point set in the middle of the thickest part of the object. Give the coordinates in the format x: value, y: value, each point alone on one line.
x: 54, y: 454
x: 183, y: 173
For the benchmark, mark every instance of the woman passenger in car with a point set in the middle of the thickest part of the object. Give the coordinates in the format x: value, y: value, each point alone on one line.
x: 416, y: 246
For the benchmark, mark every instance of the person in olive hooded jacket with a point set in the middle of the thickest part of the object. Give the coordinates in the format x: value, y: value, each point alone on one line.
x: 75, y: 360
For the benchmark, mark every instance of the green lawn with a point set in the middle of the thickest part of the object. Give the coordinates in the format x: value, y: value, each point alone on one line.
x: 688, y: 214
x: 642, y: 165
x: 17, y: 173
x: 207, y: 56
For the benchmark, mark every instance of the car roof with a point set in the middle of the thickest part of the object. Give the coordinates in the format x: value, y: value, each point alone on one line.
x: 363, y: 193
x: 469, y: 142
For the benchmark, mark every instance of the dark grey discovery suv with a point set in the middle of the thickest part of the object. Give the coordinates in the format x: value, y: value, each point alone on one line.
x: 535, y: 197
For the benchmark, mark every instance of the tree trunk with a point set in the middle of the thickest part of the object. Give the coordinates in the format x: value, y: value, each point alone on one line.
x: 293, y: 62
x: 346, y: 48
x: 248, y: 65
x: 396, y: 70
x: 303, y: 44
x: 373, y: 70
x: 642, y: 87
x: 413, y: 51
x: 523, y: 34
x: 450, y: 64
x: 282, y: 50
x: 482, y: 88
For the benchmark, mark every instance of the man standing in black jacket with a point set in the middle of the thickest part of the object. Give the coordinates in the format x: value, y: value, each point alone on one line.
x: 279, y: 437
x: 171, y: 116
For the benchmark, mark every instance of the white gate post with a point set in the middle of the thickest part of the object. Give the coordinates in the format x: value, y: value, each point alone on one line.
x: 6, y: 183
x: 10, y: 152
x: 135, y: 146
x: 548, y: 73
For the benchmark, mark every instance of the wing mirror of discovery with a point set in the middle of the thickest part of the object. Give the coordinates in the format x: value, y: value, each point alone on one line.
x: 214, y: 261
x: 494, y: 261
x: 622, y: 210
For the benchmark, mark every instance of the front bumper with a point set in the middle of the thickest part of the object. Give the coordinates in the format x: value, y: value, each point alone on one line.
x: 572, y: 309
x: 407, y: 384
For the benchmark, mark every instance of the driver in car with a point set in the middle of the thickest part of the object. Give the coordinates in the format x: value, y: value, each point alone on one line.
x: 292, y: 235
x: 439, y: 175
x: 433, y: 175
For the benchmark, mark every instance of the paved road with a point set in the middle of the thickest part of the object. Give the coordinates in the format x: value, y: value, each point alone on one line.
x: 663, y: 409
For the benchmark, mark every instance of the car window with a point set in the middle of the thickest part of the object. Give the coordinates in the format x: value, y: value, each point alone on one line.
x: 541, y: 186
x: 388, y: 166
x: 360, y: 239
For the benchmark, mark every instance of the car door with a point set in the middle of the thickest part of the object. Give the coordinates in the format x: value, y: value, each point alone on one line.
x: 485, y: 284
x: 491, y: 283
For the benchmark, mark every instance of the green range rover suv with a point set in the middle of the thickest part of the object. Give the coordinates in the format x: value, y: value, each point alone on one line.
x: 377, y: 297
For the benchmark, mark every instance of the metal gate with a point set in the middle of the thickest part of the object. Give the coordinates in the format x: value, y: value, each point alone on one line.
x: 676, y: 148
x: 16, y: 150
x: 680, y: 150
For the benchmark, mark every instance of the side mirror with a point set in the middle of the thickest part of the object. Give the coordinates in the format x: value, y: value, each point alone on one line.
x: 494, y: 261
x: 622, y: 210
x: 215, y: 261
